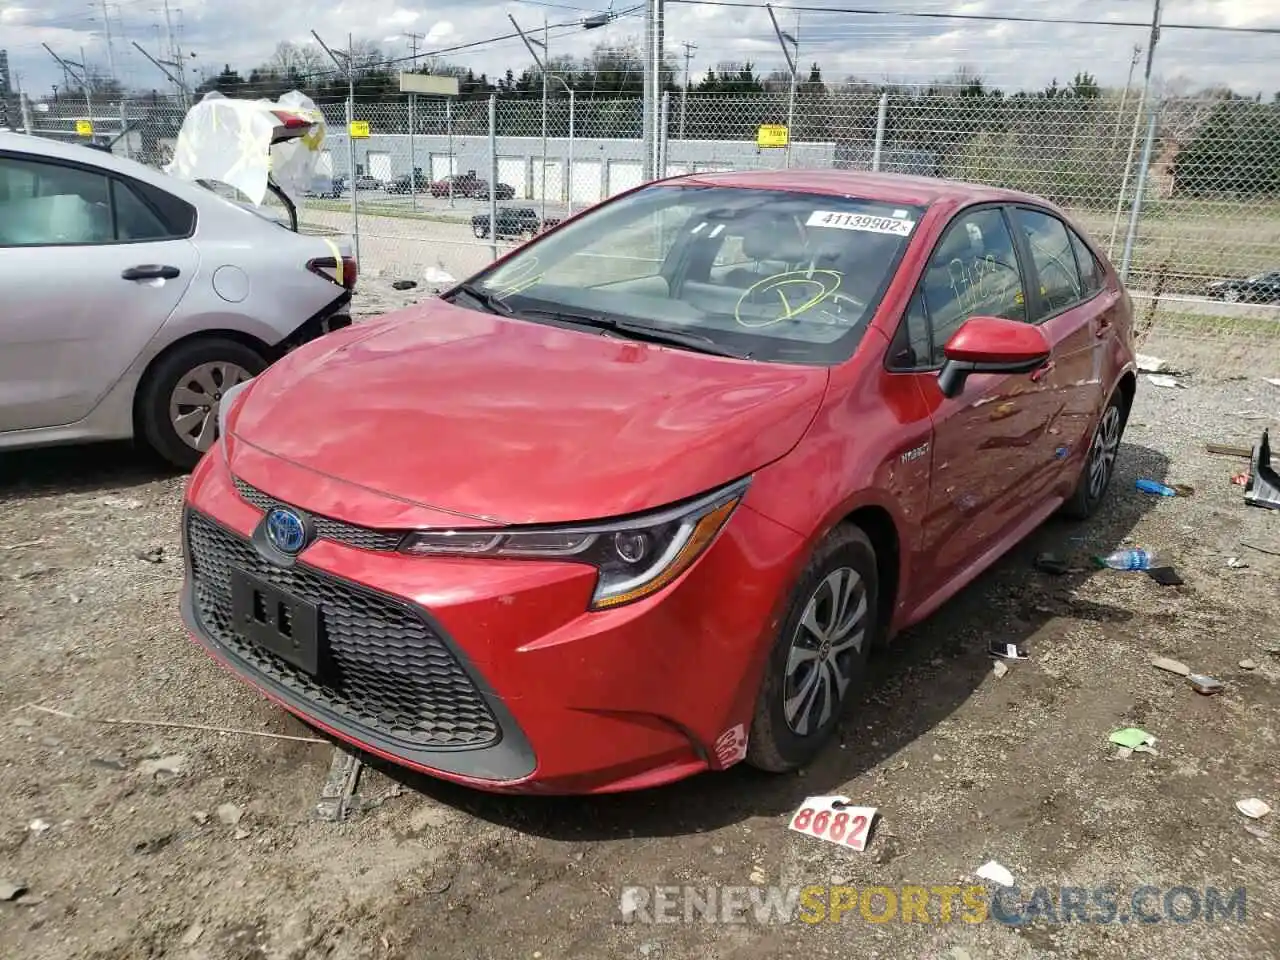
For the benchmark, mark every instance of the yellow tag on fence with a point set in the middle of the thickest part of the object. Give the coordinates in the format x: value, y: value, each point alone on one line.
x: 359, y: 129
x: 772, y: 135
x: 84, y: 128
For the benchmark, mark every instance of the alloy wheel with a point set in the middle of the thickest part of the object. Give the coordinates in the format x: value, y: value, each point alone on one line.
x: 827, y: 642
x: 194, y: 403
x: 1102, y: 458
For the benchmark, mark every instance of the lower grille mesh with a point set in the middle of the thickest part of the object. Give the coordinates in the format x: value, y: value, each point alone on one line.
x: 382, y: 666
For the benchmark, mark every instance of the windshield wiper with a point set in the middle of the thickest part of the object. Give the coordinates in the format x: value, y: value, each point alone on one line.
x: 489, y: 301
x: 641, y: 331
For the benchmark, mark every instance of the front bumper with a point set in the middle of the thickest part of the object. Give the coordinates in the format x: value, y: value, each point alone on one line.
x: 493, y: 673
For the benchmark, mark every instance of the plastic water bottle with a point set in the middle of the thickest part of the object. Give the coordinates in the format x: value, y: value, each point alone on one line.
x: 1130, y: 560
x: 1151, y: 486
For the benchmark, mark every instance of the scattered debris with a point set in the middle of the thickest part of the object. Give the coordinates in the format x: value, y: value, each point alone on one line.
x: 999, y: 669
x: 1149, y: 364
x: 1235, y: 563
x: 11, y: 890
x: 1241, y: 479
x: 154, y: 555
x: 996, y: 873
x: 1257, y: 831
x: 39, y: 826
x: 1165, y: 576
x: 1008, y: 651
x: 1052, y: 563
x: 1132, y: 738
x: 240, y: 834
x: 1226, y: 450
x: 201, y: 817
x: 439, y: 276
x: 1163, y: 380
x: 1136, y: 559
x: 757, y: 875
x: 229, y: 814
x: 153, y: 844
x: 1274, y: 381
x: 174, y: 765
x: 1253, y: 808
x: 194, y: 932
x: 404, y: 284
x: 1172, y: 666
x: 1248, y: 665
x: 1183, y: 489
x: 20, y: 546
x: 339, y: 787
x: 174, y: 724
x: 109, y: 763
x: 1269, y: 551
x: 1205, y: 684
x: 1263, y: 489
x: 1159, y: 489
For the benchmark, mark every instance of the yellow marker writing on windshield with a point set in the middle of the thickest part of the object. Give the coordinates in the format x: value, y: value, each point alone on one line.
x: 807, y: 289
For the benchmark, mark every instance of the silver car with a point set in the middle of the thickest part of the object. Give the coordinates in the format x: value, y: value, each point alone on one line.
x: 131, y: 300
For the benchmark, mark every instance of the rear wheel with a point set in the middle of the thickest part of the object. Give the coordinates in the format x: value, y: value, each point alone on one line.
x: 1101, y: 463
x: 819, y: 659
x: 179, y: 400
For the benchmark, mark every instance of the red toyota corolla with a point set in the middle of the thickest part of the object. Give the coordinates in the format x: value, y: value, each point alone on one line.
x: 637, y: 500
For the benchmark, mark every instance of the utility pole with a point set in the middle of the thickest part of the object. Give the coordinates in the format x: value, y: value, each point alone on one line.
x: 349, y: 69
x: 542, y: 65
x: 413, y: 125
x: 793, y: 64
x: 1128, y: 84
x: 684, y: 96
x: 1137, y: 121
x: 111, y: 48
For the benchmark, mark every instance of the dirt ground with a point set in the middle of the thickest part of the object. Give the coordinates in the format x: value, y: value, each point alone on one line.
x: 215, y: 855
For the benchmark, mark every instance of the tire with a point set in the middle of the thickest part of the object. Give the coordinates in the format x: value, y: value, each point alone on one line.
x: 782, y: 739
x: 480, y: 231
x: 191, y: 368
x: 1231, y: 296
x: 1100, y: 465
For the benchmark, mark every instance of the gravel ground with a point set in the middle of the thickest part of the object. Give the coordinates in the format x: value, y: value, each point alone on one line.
x: 142, y: 840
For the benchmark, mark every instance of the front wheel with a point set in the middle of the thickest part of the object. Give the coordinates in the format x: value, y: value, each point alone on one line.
x: 1101, y: 463
x: 177, y: 407
x: 819, y: 659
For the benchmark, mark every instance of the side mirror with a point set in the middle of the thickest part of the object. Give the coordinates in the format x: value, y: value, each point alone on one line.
x: 991, y: 345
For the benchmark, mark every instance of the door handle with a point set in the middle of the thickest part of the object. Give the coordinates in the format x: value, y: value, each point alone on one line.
x: 150, y: 271
x: 1038, y: 373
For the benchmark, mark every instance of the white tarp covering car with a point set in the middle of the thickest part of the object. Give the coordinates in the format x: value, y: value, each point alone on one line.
x: 250, y: 143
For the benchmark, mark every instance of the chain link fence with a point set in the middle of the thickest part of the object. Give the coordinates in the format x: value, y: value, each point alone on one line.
x: 1203, y: 208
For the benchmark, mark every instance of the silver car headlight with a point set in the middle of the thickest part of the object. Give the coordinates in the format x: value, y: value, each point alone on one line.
x: 225, y: 405
x: 634, y: 558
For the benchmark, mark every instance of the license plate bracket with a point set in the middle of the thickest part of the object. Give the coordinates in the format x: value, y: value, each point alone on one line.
x: 276, y: 620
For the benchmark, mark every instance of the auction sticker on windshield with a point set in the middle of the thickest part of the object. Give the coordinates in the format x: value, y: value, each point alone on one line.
x: 861, y: 221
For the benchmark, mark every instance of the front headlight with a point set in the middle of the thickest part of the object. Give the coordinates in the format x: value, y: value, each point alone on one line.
x: 634, y: 558
x: 225, y: 405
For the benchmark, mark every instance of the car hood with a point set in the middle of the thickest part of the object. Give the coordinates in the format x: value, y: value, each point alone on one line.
x: 507, y: 421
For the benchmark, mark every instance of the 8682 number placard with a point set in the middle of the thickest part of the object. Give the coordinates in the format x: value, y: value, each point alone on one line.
x: 834, y: 820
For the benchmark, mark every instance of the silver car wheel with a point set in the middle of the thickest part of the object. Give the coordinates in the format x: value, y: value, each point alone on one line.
x: 1106, y: 443
x: 827, y: 642
x: 194, y: 403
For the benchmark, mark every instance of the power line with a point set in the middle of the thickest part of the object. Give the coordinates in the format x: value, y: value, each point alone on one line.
x: 987, y: 18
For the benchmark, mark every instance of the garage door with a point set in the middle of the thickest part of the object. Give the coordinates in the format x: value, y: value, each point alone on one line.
x: 712, y: 167
x: 442, y: 165
x: 554, y: 179
x: 513, y: 171
x: 380, y: 166
x: 624, y: 174
x: 586, y: 181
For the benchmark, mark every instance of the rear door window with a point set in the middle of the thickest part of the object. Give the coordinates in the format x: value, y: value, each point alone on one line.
x: 1054, y: 259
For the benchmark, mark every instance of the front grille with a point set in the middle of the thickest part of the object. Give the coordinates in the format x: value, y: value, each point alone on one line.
x: 366, y: 538
x: 382, y: 666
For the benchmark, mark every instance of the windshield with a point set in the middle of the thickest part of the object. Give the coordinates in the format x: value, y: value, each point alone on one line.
x: 774, y: 275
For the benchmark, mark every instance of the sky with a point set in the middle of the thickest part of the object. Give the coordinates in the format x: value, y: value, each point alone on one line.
x: 1010, y: 56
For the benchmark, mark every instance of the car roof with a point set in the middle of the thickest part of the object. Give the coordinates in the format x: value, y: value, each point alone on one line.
x: 887, y: 187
